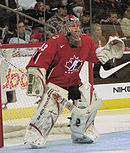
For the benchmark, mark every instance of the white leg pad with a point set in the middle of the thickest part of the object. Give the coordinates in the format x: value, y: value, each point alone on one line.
x: 46, y: 115
x: 92, y: 133
x: 81, y: 126
x: 34, y: 139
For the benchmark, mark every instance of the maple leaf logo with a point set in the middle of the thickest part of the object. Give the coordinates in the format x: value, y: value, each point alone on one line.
x: 73, y: 64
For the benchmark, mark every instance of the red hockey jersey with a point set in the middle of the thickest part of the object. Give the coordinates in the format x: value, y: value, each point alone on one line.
x: 66, y: 61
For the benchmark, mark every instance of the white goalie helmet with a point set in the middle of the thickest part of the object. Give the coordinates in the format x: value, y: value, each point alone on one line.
x: 72, y: 30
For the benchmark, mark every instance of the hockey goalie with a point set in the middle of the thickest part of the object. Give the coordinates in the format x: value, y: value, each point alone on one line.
x: 53, y: 75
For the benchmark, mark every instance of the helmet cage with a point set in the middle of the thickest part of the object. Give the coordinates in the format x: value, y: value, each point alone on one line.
x: 72, y: 26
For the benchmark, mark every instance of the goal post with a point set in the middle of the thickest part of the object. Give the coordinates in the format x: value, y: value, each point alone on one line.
x: 1, y: 122
x: 19, y: 108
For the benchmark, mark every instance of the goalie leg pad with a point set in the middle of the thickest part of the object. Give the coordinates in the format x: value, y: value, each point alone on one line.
x: 43, y: 120
x: 81, y: 126
x: 91, y: 132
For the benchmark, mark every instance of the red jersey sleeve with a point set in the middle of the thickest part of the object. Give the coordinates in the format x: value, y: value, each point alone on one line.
x: 44, y: 55
x: 92, y: 51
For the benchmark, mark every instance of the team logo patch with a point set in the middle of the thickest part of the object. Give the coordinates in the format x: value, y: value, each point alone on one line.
x: 73, y: 64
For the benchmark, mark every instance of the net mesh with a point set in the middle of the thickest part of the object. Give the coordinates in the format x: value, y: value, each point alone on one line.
x: 16, y: 115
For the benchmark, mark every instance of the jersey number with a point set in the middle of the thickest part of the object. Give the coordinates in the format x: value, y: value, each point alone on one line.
x: 43, y: 47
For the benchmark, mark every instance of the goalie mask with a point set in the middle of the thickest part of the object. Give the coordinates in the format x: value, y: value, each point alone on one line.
x: 72, y: 31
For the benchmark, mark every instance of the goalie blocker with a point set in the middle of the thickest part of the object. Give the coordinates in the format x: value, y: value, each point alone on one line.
x: 50, y: 107
x: 36, y: 81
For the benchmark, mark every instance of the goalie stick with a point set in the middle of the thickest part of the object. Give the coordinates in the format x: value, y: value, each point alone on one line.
x: 6, y: 60
x: 80, y: 112
x: 86, y: 111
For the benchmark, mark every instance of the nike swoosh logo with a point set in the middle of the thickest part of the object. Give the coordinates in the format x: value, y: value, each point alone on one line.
x: 106, y: 73
x: 62, y: 46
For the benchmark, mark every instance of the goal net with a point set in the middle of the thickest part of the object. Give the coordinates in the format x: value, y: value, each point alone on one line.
x: 20, y: 107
